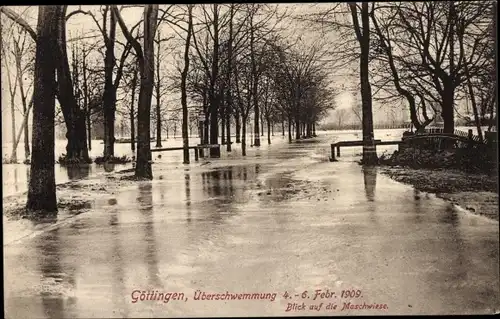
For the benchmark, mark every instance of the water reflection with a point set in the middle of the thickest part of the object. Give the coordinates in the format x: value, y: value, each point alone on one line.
x: 225, y: 187
x: 76, y: 172
x: 456, y: 260
x: 16, y: 181
x: 187, y: 184
x: 145, y: 200
x: 417, y: 203
x: 109, y: 167
x: 118, y: 271
x: 56, y: 277
x: 370, y: 180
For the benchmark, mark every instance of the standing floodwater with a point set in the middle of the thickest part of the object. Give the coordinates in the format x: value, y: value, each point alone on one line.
x: 285, y: 221
x: 250, y: 159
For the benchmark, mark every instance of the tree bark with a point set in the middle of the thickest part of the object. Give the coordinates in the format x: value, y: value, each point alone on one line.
x: 289, y: 130
x: 23, y: 98
x: 268, y: 130
x: 214, y: 101
x: 244, y: 137
x: 297, y: 130
x: 13, y: 156
x: 86, y: 107
x: 448, y: 103
x: 132, y: 111
x: 256, y: 112
x: 73, y: 116
x: 12, y: 95
x: 185, y: 117
x: 363, y: 36
x: 158, y: 96
x: 477, y: 120
x: 146, y: 69
x: 222, y: 107
x: 448, y: 111
x: 42, y: 183
x: 109, y: 95
x: 238, y: 126
x: 146, y: 65
x: 229, y: 99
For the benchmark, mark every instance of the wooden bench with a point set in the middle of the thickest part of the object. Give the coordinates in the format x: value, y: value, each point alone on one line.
x: 196, y: 148
x: 356, y: 143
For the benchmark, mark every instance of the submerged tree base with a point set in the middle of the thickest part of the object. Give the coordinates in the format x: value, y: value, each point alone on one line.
x: 64, y: 160
x: 112, y: 160
x: 9, y: 161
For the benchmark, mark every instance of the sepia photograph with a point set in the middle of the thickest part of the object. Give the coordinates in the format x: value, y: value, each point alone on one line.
x: 250, y: 159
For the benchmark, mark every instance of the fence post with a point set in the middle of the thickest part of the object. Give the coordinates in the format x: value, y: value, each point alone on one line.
x: 332, y: 159
x: 470, y: 136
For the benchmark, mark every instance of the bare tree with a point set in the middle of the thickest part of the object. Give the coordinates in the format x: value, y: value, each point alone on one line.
x: 185, y: 137
x: 145, y: 56
x: 363, y: 36
x: 42, y: 184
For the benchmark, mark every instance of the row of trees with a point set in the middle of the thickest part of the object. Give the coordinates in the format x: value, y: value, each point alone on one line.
x: 234, y: 64
x: 429, y: 54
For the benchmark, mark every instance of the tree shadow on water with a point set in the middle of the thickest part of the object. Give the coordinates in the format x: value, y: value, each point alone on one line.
x: 76, y: 172
x: 145, y: 200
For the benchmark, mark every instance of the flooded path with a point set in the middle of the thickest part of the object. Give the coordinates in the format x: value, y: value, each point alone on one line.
x: 283, y: 219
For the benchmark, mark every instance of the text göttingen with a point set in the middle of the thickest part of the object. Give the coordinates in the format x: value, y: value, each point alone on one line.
x: 343, y: 300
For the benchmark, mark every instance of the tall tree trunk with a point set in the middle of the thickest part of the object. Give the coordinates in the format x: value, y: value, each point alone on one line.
x: 283, y: 127
x: 214, y: 101
x: 238, y: 126
x: 12, y: 95
x: 477, y: 120
x: 229, y: 100
x: 13, y: 156
x: 132, y: 111
x: 289, y: 130
x: 448, y: 111
x: 42, y: 183
x: 185, y: 117
x: 297, y: 130
x: 228, y: 132
x: 256, y: 112
x: 448, y: 105
x: 244, y: 119
x: 146, y: 65
x: 158, y: 122
x: 23, y: 98
x: 86, y: 107
x: 206, y: 128
x: 222, y: 107
x: 268, y: 130
x: 206, y: 111
x: 261, y: 124
x: 158, y: 94
x: 109, y: 96
x: 363, y: 36
x: 73, y: 116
